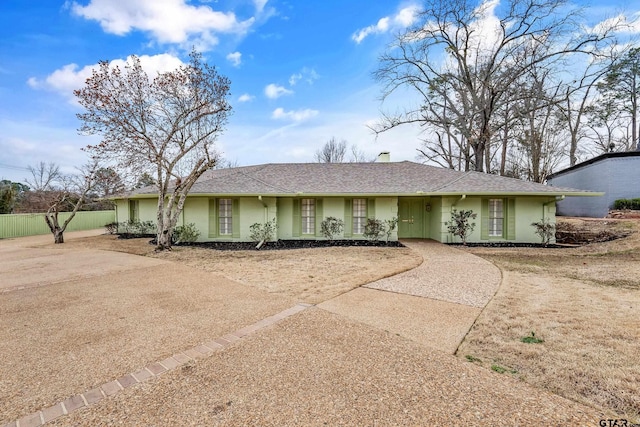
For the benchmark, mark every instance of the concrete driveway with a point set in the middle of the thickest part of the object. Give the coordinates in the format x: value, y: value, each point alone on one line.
x: 434, y: 304
x: 26, y: 263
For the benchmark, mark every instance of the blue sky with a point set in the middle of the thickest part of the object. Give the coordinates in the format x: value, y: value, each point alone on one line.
x: 300, y: 71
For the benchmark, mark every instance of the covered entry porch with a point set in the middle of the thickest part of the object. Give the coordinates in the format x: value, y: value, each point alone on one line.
x: 415, y: 217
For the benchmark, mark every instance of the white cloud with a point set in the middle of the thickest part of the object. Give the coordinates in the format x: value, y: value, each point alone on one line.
x: 274, y: 91
x: 406, y: 16
x: 235, y: 58
x: 168, y: 21
x: 403, y: 19
x: 309, y: 75
x: 625, y: 25
x: 71, y: 77
x: 245, y: 97
x: 295, y: 116
x: 260, y: 4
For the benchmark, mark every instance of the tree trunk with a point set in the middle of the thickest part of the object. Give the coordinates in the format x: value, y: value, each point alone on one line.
x: 51, y: 218
x: 479, y: 153
x: 163, y: 238
x: 58, y: 235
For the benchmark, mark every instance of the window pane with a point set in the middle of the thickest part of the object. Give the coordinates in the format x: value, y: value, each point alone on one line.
x: 496, y: 217
x: 308, y: 216
x: 359, y: 215
x: 224, y: 215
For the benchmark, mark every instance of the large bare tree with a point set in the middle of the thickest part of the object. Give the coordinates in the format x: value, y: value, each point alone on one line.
x: 165, y: 125
x: 464, y: 57
x: 622, y: 86
x: 538, y: 129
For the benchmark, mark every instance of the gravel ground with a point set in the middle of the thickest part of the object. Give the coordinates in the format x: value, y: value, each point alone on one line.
x: 318, y: 368
x: 33, y: 267
x: 67, y: 337
x: 453, y: 275
x: 312, y: 275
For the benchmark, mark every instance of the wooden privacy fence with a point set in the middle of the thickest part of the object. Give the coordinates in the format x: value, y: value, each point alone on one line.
x: 18, y: 225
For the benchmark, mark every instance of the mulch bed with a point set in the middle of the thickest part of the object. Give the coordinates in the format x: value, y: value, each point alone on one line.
x: 513, y: 245
x: 277, y: 245
x: 290, y: 244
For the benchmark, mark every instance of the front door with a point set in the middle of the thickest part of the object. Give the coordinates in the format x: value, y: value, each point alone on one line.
x: 410, y: 218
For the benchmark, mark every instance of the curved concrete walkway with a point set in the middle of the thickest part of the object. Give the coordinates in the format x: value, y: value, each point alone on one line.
x: 434, y: 304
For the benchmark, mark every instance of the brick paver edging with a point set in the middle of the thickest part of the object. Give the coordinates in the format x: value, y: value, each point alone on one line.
x: 150, y: 371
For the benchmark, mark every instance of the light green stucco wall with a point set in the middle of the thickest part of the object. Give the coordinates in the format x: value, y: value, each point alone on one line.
x: 252, y: 210
x: 122, y: 210
x: 285, y: 218
x: 528, y: 210
x: 196, y: 211
x: 435, y: 223
x: 148, y: 209
x: 385, y: 208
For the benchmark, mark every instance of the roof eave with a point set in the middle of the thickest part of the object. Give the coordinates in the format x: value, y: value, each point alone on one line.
x: 518, y: 193
x: 392, y: 194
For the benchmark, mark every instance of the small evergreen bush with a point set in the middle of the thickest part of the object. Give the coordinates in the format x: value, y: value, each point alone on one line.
x: 545, y: 230
x: 133, y: 228
x: 632, y: 204
x: 111, y: 228
x: 460, y: 224
x: 373, y: 229
x: 389, y: 226
x: 263, y: 232
x: 331, y: 227
x: 185, y: 234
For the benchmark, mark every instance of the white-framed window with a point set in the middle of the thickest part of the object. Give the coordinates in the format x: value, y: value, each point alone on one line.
x: 496, y: 217
x: 225, y: 223
x: 359, y: 215
x: 308, y: 216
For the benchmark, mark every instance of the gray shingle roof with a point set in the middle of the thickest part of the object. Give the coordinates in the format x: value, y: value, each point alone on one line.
x: 393, y: 178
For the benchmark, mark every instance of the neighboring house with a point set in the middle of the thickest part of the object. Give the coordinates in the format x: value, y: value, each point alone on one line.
x: 224, y: 203
x: 617, y: 175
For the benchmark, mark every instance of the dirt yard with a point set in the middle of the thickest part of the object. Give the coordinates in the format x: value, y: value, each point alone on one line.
x: 305, y: 275
x: 583, y: 303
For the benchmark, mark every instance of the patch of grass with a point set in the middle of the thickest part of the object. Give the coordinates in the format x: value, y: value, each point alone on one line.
x: 616, y: 283
x: 631, y: 254
x: 501, y: 370
x: 531, y: 339
x: 471, y: 358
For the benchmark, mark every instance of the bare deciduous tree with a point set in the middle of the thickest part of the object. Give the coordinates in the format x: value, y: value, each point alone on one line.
x: 359, y: 156
x: 166, y: 126
x: 332, y: 151
x: 540, y: 133
x: 622, y: 85
x: 465, y: 57
x: 43, y: 176
x: 61, y: 193
x: 335, y: 152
